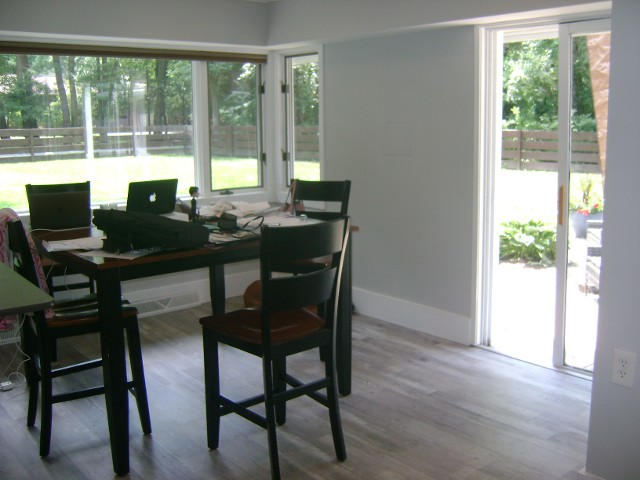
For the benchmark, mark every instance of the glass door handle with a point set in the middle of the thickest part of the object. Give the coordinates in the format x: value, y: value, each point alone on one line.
x: 561, y: 205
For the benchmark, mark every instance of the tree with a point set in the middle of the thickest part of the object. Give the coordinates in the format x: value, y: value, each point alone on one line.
x: 24, y: 93
x: 161, y: 80
x: 62, y: 92
x: 530, y: 85
x: 73, y: 94
x: 305, y: 79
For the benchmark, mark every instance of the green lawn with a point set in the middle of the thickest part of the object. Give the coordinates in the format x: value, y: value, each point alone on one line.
x: 533, y: 195
x: 522, y: 195
x: 110, y: 176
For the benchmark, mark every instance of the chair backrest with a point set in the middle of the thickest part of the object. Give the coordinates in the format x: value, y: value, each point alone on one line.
x: 60, y: 205
x: 23, y: 261
x: 281, y: 246
x: 330, y: 191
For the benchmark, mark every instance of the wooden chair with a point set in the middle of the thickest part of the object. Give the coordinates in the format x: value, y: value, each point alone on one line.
x: 66, y: 319
x: 332, y: 192
x: 282, y: 327
x: 40, y: 198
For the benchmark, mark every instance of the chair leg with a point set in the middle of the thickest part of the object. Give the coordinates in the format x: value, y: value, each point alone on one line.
x: 137, y: 374
x: 324, y: 351
x: 211, y: 388
x: 334, y: 408
x: 279, y: 386
x: 46, y: 413
x: 46, y: 403
x: 31, y: 372
x: 32, y: 408
x: 54, y: 349
x: 40, y: 383
x: 271, y: 418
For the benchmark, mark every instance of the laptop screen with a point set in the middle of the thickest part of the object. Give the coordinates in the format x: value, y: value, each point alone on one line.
x: 59, y: 210
x: 152, y: 196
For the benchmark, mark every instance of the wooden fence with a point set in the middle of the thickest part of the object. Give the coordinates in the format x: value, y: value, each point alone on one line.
x: 20, y: 145
x: 538, y: 150
x: 521, y: 150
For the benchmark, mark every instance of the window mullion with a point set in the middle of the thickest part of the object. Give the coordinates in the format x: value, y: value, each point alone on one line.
x: 201, y: 145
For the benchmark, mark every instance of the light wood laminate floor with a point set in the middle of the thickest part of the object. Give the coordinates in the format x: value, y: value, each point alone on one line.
x: 420, y: 409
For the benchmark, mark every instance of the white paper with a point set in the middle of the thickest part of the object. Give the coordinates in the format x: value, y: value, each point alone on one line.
x: 84, y: 243
x: 124, y: 256
x: 243, y: 209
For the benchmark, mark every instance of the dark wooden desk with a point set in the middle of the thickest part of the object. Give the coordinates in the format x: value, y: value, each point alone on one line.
x: 108, y: 273
x: 19, y: 295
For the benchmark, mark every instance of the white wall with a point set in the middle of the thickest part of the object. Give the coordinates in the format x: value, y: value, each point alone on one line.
x: 399, y: 119
x: 206, y: 22
x: 614, y: 433
x: 294, y: 21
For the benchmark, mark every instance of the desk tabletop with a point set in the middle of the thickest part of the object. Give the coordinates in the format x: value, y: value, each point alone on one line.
x: 181, y: 259
x: 168, y: 261
x: 19, y: 295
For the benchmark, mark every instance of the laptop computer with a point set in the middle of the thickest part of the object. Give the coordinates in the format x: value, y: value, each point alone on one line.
x: 152, y: 196
x: 59, y: 210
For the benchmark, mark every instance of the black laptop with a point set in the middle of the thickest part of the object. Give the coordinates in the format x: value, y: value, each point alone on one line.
x: 152, y: 196
x: 60, y: 210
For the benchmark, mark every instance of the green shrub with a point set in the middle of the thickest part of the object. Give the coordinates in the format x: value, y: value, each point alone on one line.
x: 532, y: 242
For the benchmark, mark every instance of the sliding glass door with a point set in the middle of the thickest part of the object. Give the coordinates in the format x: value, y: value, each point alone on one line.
x: 584, y: 91
x: 543, y: 173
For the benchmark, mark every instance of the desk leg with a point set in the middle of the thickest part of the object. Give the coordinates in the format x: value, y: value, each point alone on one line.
x: 343, y: 340
x: 114, y: 368
x: 216, y: 288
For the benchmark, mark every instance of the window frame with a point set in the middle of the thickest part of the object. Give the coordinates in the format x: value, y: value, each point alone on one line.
x: 199, y: 60
x: 287, y: 155
x: 274, y: 179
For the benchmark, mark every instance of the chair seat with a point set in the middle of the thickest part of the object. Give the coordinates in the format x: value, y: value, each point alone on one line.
x: 83, y: 311
x: 245, y: 325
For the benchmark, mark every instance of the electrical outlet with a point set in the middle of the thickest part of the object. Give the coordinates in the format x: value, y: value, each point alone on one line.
x: 624, y: 368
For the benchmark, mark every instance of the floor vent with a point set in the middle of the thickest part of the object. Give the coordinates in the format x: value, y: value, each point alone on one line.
x: 167, y: 304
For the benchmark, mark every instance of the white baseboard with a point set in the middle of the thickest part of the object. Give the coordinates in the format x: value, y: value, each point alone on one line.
x: 423, y: 318
x: 174, y: 292
x: 584, y: 475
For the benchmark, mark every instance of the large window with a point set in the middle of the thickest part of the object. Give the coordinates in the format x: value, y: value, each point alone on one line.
x: 112, y: 120
x: 234, y: 118
x: 302, y: 107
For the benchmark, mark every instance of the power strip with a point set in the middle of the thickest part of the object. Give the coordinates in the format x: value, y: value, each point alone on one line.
x: 6, y: 386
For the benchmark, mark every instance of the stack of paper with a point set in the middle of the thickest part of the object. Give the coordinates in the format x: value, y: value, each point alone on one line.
x: 244, y: 209
x: 85, y: 243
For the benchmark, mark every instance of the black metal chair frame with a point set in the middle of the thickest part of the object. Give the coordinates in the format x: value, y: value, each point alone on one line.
x: 334, y: 191
x: 69, y: 318
x: 322, y: 191
x: 284, y: 300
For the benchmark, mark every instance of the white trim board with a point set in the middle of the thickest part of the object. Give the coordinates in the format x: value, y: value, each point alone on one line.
x: 188, y: 289
x: 439, y: 323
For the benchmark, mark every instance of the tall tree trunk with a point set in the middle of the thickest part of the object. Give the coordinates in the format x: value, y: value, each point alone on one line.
x: 25, y: 82
x: 62, y: 92
x: 3, y: 119
x: 160, y: 107
x: 73, y: 94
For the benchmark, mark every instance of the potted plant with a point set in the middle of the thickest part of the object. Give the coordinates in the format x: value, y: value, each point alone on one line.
x: 588, y: 205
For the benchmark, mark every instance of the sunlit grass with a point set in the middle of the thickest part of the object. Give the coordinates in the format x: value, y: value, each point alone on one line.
x: 110, y: 176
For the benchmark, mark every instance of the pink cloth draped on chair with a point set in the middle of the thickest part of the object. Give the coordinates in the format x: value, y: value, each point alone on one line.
x: 7, y: 215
